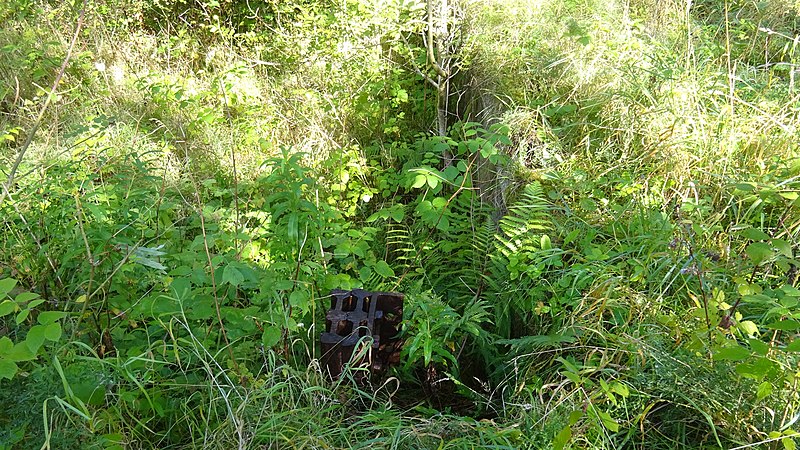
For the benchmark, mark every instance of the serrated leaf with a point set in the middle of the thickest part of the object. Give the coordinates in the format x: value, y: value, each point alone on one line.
x: 298, y: 298
x: 231, y: 275
x: 271, y: 336
x: 783, y: 247
x: 760, y: 348
x: 383, y: 269
x: 759, y: 252
x: 53, y: 332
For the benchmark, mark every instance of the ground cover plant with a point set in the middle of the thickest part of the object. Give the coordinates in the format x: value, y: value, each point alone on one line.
x: 591, y: 207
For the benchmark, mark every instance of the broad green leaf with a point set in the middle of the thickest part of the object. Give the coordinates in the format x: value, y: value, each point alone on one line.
x: 755, y: 234
x: 764, y: 390
x: 758, y: 252
x: 788, y: 443
x: 450, y: 173
x: 761, y: 348
x: 397, y: 213
x: 383, y: 269
x: 748, y: 327
x: 6, y: 344
x: 419, y: 181
x: 562, y: 438
x: 732, y: 354
x: 271, y: 336
x: 22, y: 316
x: 7, y: 369
x: 26, y: 297
x: 232, y: 275
x: 53, y: 332
x: 433, y: 181
x: 20, y: 352
x: 784, y: 325
x: 48, y: 317
x: 783, y: 247
x: 7, y: 307
x: 793, y: 346
x: 298, y: 298
x: 6, y: 285
x: 35, y: 338
x: 757, y: 369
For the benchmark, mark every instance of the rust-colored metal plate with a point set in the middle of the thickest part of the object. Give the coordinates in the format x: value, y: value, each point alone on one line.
x: 354, y: 315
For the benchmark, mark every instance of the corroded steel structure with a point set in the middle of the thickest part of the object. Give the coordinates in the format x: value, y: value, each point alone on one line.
x: 356, y: 315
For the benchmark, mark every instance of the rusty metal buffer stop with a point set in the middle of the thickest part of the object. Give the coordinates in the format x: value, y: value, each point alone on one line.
x: 354, y: 315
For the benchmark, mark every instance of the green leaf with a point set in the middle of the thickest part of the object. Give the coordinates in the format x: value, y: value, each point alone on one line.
x: 6, y: 285
x: 451, y: 172
x: 433, y: 181
x: 53, y: 332
x: 759, y: 252
x: 755, y: 234
x: 35, y: 338
x: 383, y: 269
x: 298, y: 298
x: 760, y: 348
x: 732, y: 354
x: 20, y: 352
x: 48, y: 317
x: 7, y: 369
x: 25, y: 297
x: 793, y: 346
x: 397, y: 213
x: 271, y: 336
x: 232, y: 275
x: 545, y: 242
x: 22, y: 316
x: 748, y: 327
x: 764, y: 390
x: 788, y: 443
x: 783, y: 247
x: 419, y: 181
x: 562, y: 438
x: 7, y: 307
x: 6, y: 344
x: 784, y: 325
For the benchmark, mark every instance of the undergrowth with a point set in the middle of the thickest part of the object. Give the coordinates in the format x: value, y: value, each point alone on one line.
x: 590, y: 206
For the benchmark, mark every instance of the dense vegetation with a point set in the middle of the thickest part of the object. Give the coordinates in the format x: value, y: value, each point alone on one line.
x: 591, y: 207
